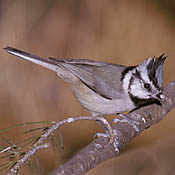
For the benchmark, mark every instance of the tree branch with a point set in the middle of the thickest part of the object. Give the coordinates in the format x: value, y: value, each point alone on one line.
x: 38, y: 145
x: 100, y: 149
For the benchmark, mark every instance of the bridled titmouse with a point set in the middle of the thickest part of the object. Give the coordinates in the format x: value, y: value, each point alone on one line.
x: 104, y: 88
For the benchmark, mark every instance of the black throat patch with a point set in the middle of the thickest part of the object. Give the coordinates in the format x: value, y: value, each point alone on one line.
x: 143, y: 102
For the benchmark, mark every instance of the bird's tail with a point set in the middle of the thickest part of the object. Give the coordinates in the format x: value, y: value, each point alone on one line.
x: 47, y: 63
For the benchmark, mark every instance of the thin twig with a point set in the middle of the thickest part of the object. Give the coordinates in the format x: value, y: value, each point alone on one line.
x: 49, y: 131
x: 28, y: 154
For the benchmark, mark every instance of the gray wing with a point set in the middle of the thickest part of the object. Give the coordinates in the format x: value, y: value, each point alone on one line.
x: 102, y: 77
x: 107, y: 80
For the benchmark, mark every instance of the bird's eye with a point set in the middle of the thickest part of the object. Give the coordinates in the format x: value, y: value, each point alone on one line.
x: 147, y: 86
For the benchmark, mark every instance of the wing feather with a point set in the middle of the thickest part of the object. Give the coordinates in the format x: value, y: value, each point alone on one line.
x: 107, y: 80
x: 102, y: 77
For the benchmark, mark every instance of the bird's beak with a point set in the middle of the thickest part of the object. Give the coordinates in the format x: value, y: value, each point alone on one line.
x: 159, y: 97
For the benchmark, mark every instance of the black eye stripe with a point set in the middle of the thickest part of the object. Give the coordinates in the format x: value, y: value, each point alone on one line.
x: 137, y: 74
x: 130, y: 83
x: 147, y: 86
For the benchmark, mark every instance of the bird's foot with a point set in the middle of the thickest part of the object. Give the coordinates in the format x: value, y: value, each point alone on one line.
x: 109, y: 133
x: 125, y: 119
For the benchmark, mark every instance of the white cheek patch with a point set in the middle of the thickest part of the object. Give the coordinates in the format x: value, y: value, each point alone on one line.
x: 141, y: 77
x: 138, y: 92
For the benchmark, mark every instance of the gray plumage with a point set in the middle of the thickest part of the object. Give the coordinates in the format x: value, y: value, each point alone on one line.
x: 104, y: 88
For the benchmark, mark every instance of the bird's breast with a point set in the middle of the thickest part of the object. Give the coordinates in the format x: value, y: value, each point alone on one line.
x: 95, y: 103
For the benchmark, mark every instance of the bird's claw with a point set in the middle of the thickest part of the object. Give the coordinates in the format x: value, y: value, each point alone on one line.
x: 125, y: 119
x: 106, y: 135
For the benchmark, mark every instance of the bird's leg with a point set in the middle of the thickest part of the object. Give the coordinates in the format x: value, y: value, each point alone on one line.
x: 108, y: 132
x: 102, y: 134
x: 125, y: 119
x: 102, y: 125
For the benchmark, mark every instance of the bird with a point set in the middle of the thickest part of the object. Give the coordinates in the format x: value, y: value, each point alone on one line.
x: 104, y: 88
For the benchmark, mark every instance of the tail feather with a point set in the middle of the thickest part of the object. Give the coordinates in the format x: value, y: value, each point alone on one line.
x: 47, y: 63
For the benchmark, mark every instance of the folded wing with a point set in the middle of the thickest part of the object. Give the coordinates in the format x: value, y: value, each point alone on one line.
x: 102, y: 77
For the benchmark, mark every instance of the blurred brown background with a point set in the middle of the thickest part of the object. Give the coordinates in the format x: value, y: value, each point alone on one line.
x: 117, y: 31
